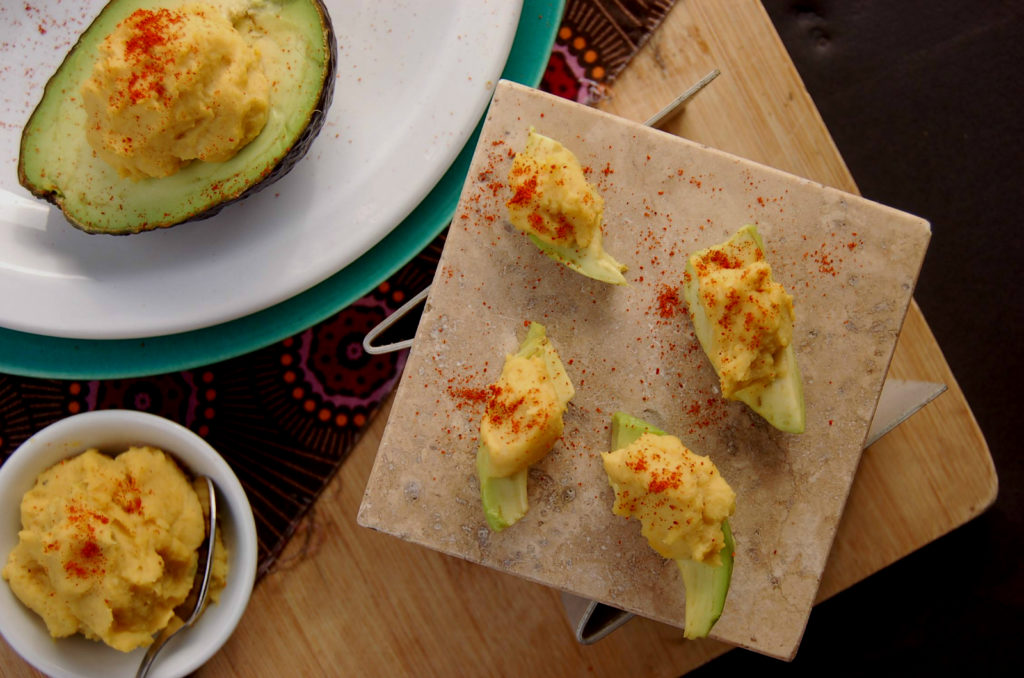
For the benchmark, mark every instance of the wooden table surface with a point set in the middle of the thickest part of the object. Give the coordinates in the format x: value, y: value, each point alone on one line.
x: 344, y: 600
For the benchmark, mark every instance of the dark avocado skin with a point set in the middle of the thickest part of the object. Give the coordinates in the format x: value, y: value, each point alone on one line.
x: 313, y: 124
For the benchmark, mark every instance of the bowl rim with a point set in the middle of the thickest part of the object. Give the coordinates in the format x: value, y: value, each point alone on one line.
x: 113, y: 430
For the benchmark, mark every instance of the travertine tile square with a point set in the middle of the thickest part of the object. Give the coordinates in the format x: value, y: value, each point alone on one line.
x: 851, y: 266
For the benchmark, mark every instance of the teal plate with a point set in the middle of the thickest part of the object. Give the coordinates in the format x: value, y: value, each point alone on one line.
x: 36, y: 355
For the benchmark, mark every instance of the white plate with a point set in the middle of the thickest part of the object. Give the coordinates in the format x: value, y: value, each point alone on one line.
x: 413, y: 80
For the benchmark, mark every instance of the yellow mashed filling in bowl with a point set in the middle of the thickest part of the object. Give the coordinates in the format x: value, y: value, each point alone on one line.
x: 171, y: 86
x: 109, y: 546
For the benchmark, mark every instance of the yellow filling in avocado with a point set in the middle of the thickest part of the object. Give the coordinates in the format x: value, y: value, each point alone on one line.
x: 171, y: 86
x: 750, y: 316
x: 524, y: 415
x: 551, y: 196
x: 678, y: 496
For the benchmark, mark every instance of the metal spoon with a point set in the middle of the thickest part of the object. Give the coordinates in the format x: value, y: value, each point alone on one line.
x: 195, y: 602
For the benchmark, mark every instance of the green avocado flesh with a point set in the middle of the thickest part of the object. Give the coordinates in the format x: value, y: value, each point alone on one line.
x: 781, y: 403
x: 599, y: 266
x: 298, y: 51
x: 707, y: 586
x: 504, y: 498
x: 626, y: 429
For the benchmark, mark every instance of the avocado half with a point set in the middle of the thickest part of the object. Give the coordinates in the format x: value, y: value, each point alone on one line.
x: 56, y: 162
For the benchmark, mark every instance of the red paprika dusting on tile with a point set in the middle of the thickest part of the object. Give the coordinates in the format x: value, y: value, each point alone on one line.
x: 473, y: 396
x: 669, y: 303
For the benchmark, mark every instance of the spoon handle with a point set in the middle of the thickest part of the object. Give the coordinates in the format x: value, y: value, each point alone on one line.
x: 200, y: 587
x: 153, y: 650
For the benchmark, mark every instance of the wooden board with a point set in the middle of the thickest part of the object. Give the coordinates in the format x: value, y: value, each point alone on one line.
x: 850, y: 265
x: 349, y: 601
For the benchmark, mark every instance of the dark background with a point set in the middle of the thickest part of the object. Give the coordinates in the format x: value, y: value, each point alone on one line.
x: 924, y: 100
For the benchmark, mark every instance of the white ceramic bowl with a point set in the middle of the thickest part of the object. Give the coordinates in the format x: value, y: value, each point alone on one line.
x: 114, y: 431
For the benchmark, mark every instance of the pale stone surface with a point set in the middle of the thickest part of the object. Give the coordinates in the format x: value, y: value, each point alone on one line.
x: 850, y: 265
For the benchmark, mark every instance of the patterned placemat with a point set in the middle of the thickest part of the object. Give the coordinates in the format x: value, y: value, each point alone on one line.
x: 285, y: 417
x: 596, y: 40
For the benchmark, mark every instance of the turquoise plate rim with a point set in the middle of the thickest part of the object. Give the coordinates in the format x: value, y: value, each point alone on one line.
x: 34, y: 355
